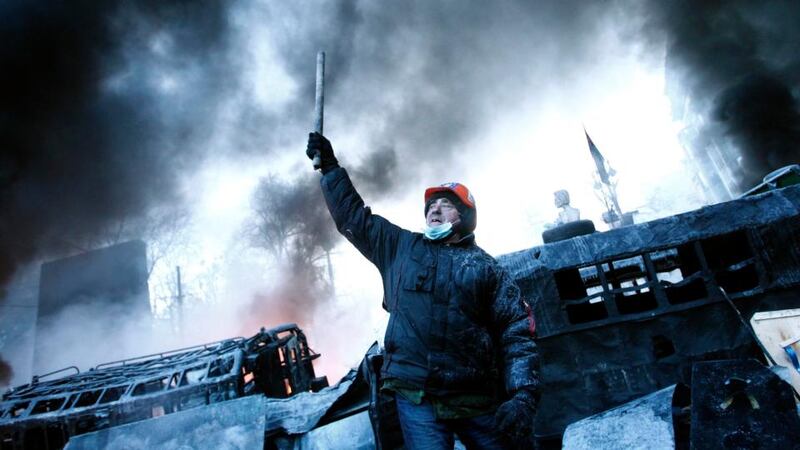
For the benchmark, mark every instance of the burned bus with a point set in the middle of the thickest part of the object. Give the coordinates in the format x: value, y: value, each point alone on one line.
x: 44, y: 414
x: 624, y: 313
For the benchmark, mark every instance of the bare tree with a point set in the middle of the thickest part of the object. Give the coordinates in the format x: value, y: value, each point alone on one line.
x: 292, y: 223
x: 165, y: 229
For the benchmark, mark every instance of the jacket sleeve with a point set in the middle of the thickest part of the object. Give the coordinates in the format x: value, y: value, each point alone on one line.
x: 375, y: 237
x: 514, y: 322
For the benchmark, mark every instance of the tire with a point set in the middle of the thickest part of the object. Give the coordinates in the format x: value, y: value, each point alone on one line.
x: 568, y: 230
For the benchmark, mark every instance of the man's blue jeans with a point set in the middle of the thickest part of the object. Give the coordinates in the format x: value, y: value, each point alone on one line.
x: 422, y: 431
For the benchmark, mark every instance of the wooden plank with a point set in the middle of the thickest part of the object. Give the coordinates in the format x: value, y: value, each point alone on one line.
x: 776, y: 330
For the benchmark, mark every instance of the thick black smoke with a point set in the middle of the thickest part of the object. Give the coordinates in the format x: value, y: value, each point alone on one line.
x: 103, y: 105
x: 377, y: 172
x: 737, y: 68
x: 292, y: 223
x: 762, y: 115
x: 418, y: 80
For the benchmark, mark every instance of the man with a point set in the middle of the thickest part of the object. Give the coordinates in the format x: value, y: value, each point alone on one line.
x: 459, y: 350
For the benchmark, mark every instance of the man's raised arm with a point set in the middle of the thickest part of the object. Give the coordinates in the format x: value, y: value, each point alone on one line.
x: 375, y: 237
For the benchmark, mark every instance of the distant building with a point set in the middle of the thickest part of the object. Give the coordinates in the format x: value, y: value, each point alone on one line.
x: 627, y: 312
x: 713, y: 165
x: 86, y: 301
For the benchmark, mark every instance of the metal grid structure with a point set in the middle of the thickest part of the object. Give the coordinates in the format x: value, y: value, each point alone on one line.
x: 668, y: 279
x: 623, y: 313
x: 44, y: 414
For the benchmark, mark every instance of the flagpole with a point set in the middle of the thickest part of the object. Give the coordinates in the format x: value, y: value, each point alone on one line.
x: 610, y: 192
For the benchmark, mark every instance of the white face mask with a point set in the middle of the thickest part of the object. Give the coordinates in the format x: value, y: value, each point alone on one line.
x: 438, y: 232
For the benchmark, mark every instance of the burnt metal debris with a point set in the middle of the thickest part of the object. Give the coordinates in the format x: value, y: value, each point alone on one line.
x: 307, y: 420
x: 45, y: 414
x: 627, y: 312
x: 731, y: 404
x: 741, y: 404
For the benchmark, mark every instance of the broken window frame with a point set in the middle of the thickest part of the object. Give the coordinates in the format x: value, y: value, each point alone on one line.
x: 608, y: 290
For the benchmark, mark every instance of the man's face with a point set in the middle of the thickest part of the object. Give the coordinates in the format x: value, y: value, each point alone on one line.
x: 442, y: 210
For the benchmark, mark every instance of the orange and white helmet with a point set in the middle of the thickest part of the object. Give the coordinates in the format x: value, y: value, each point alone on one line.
x: 464, y: 202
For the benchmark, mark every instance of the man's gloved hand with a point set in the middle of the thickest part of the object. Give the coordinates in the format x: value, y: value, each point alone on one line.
x: 515, y: 417
x: 318, y: 144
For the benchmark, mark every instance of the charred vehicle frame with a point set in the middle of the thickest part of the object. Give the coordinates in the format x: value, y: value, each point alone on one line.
x: 45, y: 414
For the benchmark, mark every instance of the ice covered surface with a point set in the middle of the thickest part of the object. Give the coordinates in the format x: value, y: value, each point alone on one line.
x: 232, y: 425
x: 354, y: 432
x: 645, y: 423
x: 300, y: 413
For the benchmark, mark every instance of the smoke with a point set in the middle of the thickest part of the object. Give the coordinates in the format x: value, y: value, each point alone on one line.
x: 108, y: 108
x: 118, y: 330
x: 422, y: 79
x: 736, y: 63
x: 292, y: 224
x: 291, y: 220
x: 6, y: 373
x: 762, y: 116
x: 376, y: 172
x: 101, y: 330
x: 100, y: 114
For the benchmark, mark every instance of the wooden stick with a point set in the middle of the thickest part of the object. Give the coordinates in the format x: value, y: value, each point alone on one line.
x: 319, y: 102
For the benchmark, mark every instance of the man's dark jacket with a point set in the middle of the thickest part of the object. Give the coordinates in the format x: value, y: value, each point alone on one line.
x: 457, y: 323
